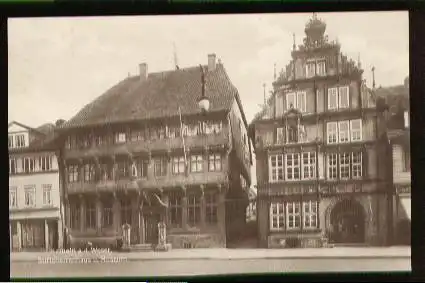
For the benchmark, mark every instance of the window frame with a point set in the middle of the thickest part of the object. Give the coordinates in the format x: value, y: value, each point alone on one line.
x: 211, y: 207
x: 303, y: 94
x: 274, y: 170
x: 322, y: 63
x: 293, y: 216
x: 177, y: 165
x: 75, y: 215
x: 214, y: 162
x: 19, y: 140
x: 45, y: 163
x: 162, y: 163
x: 196, y: 163
x: 344, y: 136
x: 120, y: 137
x: 311, y: 214
x: 175, y: 211
x: 356, y: 166
x: 294, y: 98
x: 310, y: 165
x: 28, y: 169
x: 293, y: 166
x: 334, y: 175
x: 310, y: 69
x: 107, y: 213
x: 47, y: 194
x: 13, y: 195
x: 346, y: 158
x: 11, y: 142
x: 90, y: 215
x: 277, y: 216
x: 29, y: 190
x: 347, y: 96
x: 73, y: 173
x: 13, y: 161
x: 193, y: 209
x: 356, y: 135
x: 333, y: 96
x: 332, y: 131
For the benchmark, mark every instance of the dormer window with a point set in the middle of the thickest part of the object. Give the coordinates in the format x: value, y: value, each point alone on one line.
x: 19, y: 141
x: 10, y: 141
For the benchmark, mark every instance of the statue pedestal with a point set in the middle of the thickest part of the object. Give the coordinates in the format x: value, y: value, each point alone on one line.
x: 162, y: 238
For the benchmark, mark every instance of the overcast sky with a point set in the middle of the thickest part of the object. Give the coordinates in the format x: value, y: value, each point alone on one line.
x: 58, y: 65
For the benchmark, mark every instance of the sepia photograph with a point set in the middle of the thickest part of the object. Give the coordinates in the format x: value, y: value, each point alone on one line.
x: 186, y: 145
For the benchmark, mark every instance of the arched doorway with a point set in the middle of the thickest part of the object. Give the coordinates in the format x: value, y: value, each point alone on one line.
x: 347, y: 222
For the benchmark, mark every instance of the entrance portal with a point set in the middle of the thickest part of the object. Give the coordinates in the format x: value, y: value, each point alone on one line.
x: 151, y: 227
x: 347, y: 222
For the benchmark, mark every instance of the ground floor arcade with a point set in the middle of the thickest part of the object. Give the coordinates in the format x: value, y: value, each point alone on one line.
x: 194, y: 217
x: 314, y: 220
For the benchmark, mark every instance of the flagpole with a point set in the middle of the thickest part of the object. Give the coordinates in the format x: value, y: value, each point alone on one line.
x: 184, y: 146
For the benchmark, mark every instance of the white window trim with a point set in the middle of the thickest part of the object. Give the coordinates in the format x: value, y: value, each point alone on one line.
x: 347, y: 165
x: 47, y: 188
x: 176, y: 161
x: 304, y: 106
x: 280, y: 132
x: 340, y: 105
x: 120, y: 137
x: 357, y: 164
x: 15, y: 191
x: 335, y: 90
x: 294, y: 215
x: 31, y: 189
x: 328, y: 166
x: 198, y: 160
x: 309, y: 164
x: 347, y: 132
x: 277, y: 168
x: 310, y: 204
x: 328, y: 132
x: 309, y: 74
x: 359, y: 130
x: 280, y: 206
x: 324, y: 67
x: 292, y: 167
x: 294, y: 98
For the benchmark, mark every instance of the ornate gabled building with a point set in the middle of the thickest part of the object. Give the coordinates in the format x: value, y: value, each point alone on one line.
x: 145, y: 154
x: 34, y: 189
x: 317, y: 146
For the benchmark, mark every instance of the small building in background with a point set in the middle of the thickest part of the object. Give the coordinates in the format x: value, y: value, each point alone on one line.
x: 34, y: 189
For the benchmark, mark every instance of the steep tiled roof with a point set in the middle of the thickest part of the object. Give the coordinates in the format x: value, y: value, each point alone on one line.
x: 158, y: 96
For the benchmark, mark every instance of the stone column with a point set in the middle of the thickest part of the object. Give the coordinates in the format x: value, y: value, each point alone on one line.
x: 99, y: 207
x: 203, y: 207
x: 82, y: 213
x: 19, y: 232
x: 60, y: 234
x: 46, y: 236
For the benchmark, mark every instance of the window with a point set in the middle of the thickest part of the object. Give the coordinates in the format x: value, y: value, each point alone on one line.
x: 344, y: 101
x: 310, y: 214
x: 276, y: 168
x: 13, y: 166
x: 279, y: 105
x: 332, y: 166
x: 161, y: 133
x: 107, y: 216
x: 75, y: 215
x: 406, y: 159
x: 29, y: 165
x: 356, y: 130
x: 29, y: 196
x: 290, y: 100
x: 73, y: 173
x: 175, y: 209
x: 344, y: 131
x: 301, y: 101
x: 126, y: 211
x: 123, y: 169
x: 212, y: 127
x: 10, y: 141
x: 277, y: 216
x: 214, y: 162
x: 309, y: 165
x: 211, y: 207
x: 280, y: 137
x: 13, y: 197
x: 293, y: 215
x: 90, y: 214
x: 292, y: 134
x: 292, y: 166
x: 160, y: 167
x: 193, y: 209
x: 19, y: 141
x: 142, y: 168
x: 89, y: 172
x: 332, y: 132
x: 47, y: 195
x: 196, y: 162
x: 344, y: 165
x: 120, y: 137
x: 310, y: 69
x: 321, y: 68
x: 178, y: 165
x: 356, y: 164
x: 100, y: 140
x: 45, y: 163
x: 332, y: 98
x: 136, y: 135
x: 105, y: 171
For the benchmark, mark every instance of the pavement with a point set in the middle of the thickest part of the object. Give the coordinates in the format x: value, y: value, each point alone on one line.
x: 231, y: 254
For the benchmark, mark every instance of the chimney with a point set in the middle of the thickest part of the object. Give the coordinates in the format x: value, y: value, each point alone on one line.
x: 211, y: 62
x: 143, y: 69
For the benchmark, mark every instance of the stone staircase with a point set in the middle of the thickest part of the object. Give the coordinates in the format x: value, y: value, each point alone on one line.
x: 141, y: 248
